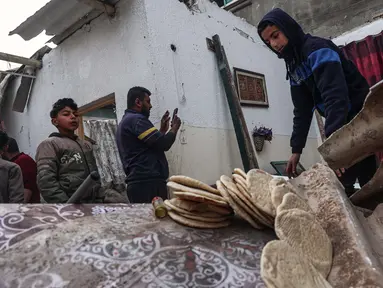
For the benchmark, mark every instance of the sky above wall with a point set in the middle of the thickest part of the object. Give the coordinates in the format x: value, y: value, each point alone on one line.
x: 13, y: 13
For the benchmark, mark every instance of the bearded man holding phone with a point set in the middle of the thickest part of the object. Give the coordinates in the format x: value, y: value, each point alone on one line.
x: 142, y: 147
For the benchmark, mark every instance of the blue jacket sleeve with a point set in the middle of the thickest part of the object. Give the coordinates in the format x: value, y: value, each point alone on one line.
x: 329, y: 78
x: 303, y: 113
x: 146, y: 132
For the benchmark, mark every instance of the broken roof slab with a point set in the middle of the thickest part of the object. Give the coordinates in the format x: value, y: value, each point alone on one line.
x: 57, y: 16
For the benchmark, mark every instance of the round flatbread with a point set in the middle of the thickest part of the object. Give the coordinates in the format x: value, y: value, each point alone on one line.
x: 239, y: 179
x: 241, y: 213
x: 169, y: 205
x: 277, y: 194
x: 186, y: 205
x: 258, y: 186
x: 303, y: 232
x: 192, y: 206
x: 280, y: 182
x: 199, y: 198
x: 219, y: 209
x: 249, y: 209
x: 282, y: 266
x: 240, y: 172
x: 276, y: 182
x: 204, y: 219
x: 245, y: 201
x: 179, y: 187
x: 242, y: 189
x: 196, y: 224
x: 190, y: 182
x: 293, y: 201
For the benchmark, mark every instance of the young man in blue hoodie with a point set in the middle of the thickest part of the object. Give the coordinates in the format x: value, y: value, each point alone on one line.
x: 321, y: 78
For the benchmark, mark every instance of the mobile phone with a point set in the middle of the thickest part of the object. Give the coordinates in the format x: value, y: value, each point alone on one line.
x: 175, y: 112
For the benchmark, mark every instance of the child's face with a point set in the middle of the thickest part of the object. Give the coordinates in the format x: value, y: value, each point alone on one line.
x: 67, y: 119
x: 274, y: 37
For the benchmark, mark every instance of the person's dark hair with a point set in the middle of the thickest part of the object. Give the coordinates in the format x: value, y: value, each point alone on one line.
x: 61, y: 104
x: 3, y: 139
x: 263, y: 25
x: 12, y: 146
x: 136, y: 93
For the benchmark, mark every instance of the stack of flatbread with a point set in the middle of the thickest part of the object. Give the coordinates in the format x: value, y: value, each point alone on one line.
x: 265, y: 192
x: 196, y: 204
x: 303, y: 255
x: 236, y: 193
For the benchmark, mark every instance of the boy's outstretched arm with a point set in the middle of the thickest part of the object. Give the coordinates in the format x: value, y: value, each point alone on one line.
x: 47, y: 174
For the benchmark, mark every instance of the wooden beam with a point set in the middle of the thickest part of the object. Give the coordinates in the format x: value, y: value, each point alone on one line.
x: 97, y: 104
x: 20, y: 60
x: 100, y: 6
x: 80, y: 130
x: 246, y: 149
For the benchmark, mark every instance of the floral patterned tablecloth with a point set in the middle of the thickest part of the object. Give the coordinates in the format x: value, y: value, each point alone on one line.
x: 122, y: 246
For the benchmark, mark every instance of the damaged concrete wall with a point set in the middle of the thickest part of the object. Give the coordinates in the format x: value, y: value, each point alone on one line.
x: 323, y: 18
x: 135, y: 49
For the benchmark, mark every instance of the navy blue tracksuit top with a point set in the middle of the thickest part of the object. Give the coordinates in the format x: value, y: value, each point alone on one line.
x: 320, y: 78
x: 142, y: 148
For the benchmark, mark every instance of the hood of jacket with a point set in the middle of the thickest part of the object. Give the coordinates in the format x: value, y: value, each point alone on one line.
x: 292, y: 30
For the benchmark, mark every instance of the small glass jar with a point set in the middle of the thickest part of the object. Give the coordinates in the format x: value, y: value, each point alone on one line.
x: 159, y: 207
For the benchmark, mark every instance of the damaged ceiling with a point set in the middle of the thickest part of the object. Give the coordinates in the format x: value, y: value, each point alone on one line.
x: 62, y: 18
x: 24, y: 88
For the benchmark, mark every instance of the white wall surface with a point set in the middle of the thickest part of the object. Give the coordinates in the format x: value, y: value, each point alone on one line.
x: 189, y: 79
x: 170, y: 22
x: 134, y: 49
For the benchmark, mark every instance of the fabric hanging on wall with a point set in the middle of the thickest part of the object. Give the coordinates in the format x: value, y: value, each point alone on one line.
x: 106, y: 153
x: 367, y: 55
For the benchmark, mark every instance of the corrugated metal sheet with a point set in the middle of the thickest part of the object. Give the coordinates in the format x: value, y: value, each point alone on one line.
x: 55, y: 17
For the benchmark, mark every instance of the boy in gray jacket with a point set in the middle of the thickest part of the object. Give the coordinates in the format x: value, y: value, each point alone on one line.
x: 64, y: 160
x: 11, y: 179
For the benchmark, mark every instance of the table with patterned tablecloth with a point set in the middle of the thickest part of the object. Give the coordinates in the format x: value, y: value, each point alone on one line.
x: 122, y: 246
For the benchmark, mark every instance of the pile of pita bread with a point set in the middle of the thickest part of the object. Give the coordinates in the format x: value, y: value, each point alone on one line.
x: 249, y: 195
x: 237, y: 192
x: 303, y: 255
x: 196, y: 204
